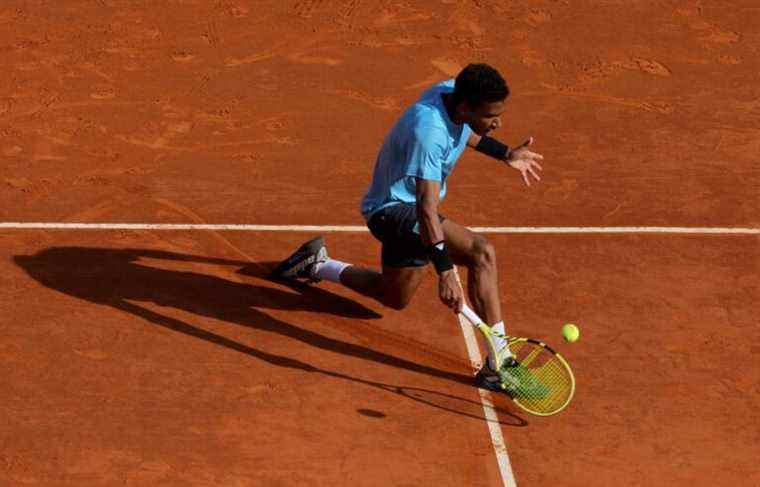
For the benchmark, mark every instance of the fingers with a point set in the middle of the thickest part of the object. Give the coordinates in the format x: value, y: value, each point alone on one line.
x: 529, y: 170
x: 526, y: 161
x: 457, y: 305
x: 455, y: 302
x: 525, y: 177
x: 533, y: 156
x: 453, y: 299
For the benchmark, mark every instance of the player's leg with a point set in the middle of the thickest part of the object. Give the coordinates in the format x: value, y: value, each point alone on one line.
x: 394, y: 287
x: 476, y: 253
x: 403, y: 256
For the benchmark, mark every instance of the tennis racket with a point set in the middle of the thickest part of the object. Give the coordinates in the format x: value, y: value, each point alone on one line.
x: 542, y: 383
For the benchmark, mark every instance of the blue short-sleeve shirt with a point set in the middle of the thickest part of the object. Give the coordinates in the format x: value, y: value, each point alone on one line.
x: 423, y: 144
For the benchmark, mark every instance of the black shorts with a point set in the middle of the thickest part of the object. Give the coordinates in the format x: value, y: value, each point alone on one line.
x: 394, y: 226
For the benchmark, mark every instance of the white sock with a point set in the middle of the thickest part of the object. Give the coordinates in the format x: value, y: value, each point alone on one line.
x: 329, y: 270
x: 500, y: 345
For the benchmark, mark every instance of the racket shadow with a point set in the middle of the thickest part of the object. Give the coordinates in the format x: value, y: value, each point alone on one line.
x: 125, y: 278
x: 455, y: 404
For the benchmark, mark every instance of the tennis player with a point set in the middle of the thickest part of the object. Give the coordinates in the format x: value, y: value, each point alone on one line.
x: 401, y: 207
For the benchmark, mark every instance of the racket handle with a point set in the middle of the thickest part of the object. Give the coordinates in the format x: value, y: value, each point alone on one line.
x: 468, y: 313
x: 471, y: 316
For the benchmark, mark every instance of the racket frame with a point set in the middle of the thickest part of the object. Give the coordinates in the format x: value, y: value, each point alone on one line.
x: 488, y: 333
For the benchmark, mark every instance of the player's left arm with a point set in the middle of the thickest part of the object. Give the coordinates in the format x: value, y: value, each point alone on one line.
x: 520, y: 158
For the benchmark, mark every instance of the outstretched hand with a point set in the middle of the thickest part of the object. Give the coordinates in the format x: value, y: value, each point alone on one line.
x: 525, y: 161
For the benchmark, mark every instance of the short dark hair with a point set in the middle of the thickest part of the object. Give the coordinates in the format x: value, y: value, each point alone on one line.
x: 479, y: 83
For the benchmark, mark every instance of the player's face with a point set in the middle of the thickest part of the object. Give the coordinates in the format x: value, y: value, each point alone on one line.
x: 486, y: 117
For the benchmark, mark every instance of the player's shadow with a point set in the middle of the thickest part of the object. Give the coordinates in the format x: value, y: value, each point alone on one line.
x: 121, y: 277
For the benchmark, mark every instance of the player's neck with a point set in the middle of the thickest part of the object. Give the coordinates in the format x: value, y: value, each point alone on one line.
x: 448, y: 103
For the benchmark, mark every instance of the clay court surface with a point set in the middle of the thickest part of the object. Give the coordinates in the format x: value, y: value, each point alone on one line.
x: 145, y: 357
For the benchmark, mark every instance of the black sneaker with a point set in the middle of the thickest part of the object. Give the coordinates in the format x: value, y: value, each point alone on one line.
x: 512, y: 378
x: 489, y: 379
x: 300, y: 265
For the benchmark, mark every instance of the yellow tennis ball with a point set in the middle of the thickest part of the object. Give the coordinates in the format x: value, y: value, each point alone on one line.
x: 570, y: 332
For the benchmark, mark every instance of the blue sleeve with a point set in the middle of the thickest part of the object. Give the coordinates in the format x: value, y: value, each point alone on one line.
x: 425, y: 154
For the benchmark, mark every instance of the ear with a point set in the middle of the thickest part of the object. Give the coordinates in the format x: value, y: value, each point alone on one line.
x: 464, y: 108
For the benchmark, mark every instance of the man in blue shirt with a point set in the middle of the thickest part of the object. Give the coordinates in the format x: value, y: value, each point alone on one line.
x: 401, y: 206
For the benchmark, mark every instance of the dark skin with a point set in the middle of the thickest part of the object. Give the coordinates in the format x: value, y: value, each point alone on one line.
x: 484, y: 290
x: 395, y: 287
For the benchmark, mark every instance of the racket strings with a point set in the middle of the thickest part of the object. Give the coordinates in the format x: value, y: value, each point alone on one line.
x: 546, y: 368
x: 543, y: 383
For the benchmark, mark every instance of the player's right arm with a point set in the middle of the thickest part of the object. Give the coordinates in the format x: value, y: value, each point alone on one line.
x: 431, y: 232
x: 427, y: 211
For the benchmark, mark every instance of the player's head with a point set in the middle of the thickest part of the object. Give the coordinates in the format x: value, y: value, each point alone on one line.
x: 479, y: 95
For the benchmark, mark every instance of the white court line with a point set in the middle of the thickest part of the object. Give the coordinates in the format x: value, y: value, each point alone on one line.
x: 494, y: 427
x: 358, y: 228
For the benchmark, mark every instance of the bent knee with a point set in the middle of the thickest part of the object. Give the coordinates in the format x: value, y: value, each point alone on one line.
x: 483, y: 253
x: 397, y: 302
x: 400, y: 285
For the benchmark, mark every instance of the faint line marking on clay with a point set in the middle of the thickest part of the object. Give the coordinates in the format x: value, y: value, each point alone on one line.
x: 538, y: 17
x: 6, y: 104
x: 729, y: 59
x: 390, y: 17
x: 648, y: 66
x: 303, y: 58
x: 182, y: 56
x: 104, y: 93
x: 161, y: 142
x: 305, y: 8
x: 183, y: 210
x: 13, y: 150
x: 48, y: 157
x: 613, y: 211
x: 718, y: 36
x: 656, y: 106
x: 96, y: 211
x: 93, y: 354
x: 382, y: 103
x: 211, y: 35
x: 22, y: 184
x: 425, y: 82
x: 349, y: 9
x: 347, y: 13
x: 253, y: 58
x: 92, y: 68
x: 280, y: 140
x: 447, y: 66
